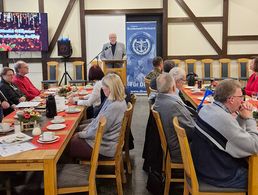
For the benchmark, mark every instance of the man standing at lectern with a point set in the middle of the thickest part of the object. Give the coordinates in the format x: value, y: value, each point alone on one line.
x: 113, y: 51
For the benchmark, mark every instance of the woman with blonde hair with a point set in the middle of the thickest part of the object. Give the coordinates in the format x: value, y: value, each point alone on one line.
x: 113, y: 109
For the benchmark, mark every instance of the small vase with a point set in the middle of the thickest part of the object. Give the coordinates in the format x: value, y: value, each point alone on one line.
x: 36, y: 130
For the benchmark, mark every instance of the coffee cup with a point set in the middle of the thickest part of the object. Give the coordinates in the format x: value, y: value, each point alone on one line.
x: 71, y: 109
x: 4, y: 126
x: 48, y: 136
x: 38, y: 99
x: 58, y: 118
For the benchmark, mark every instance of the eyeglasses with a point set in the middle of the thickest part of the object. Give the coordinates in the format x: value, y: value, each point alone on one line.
x: 240, y: 96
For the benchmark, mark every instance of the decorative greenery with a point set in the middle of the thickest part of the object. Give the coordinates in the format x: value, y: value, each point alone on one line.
x: 63, y: 91
x: 29, y: 115
x: 6, y: 47
x: 255, y: 114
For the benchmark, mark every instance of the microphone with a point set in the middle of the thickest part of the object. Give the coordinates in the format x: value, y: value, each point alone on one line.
x: 106, y: 48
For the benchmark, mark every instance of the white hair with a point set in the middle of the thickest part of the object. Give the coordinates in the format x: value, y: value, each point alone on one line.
x: 177, y: 73
x: 165, y: 82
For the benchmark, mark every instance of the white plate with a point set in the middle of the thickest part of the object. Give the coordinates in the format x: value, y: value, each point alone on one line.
x: 56, y: 126
x: 189, y: 87
x: 208, y: 99
x: 57, y: 121
x: 76, y: 110
x: 61, y: 110
x: 6, y: 131
x: 83, y: 93
x: 88, y: 87
x: 55, y: 139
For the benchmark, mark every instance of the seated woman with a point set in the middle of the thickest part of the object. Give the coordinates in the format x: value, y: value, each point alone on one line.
x: 113, y: 109
x: 9, y: 91
x: 95, y: 72
x: 252, y: 83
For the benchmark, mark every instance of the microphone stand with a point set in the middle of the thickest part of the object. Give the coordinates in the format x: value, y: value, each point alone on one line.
x: 97, y: 56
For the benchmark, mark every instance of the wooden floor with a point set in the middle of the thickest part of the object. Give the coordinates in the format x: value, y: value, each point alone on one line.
x: 136, y: 183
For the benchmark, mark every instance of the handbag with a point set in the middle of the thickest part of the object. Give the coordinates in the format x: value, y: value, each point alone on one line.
x: 156, y: 181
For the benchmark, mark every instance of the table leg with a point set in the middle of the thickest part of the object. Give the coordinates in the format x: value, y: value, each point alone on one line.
x: 253, y: 175
x: 50, y: 180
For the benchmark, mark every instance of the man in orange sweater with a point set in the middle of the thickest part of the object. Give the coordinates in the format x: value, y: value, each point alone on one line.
x: 22, y: 82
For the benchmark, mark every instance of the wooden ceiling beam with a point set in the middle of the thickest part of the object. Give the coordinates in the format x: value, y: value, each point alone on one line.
x: 123, y: 11
x: 199, y: 25
x: 201, y: 19
x: 60, y: 26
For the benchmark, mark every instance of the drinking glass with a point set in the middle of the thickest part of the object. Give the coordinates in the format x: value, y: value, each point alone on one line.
x: 254, y: 96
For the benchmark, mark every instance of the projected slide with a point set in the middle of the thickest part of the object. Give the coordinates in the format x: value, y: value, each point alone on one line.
x: 23, y: 31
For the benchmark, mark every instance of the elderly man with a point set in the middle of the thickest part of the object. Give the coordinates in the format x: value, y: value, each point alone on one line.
x: 169, y: 105
x: 113, y: 51
x: 222, y: 141
x: 22, y: 82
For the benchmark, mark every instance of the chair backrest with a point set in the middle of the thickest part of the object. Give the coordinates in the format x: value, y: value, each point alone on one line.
x: 177, y: 62
x: 121, y: 139
x: 224, y: 68
x: 189, y: 169
x: 147, y: 85
x: 152, y: 90
x: 95, y: 154
x: 243, y: 67
x: 78, y: 70
x: 207, y: 70
x: 160, y: 129
x: 52, y: 69
x: 133, y: 101
x: 190, y: 66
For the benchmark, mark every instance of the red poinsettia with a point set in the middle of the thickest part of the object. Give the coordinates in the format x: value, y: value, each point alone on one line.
x: 26, y: 115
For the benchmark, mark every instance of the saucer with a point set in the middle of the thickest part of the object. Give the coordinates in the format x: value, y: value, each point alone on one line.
x: 83, y: 93
x: 56, y: 126
x: 55, y: 139
x: 76, y: 110
x: 6, y: 130
x: 88, y: 87
x: 57, y: 121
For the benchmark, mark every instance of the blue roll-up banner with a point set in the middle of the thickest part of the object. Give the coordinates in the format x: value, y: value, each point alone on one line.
x: 140, y: 51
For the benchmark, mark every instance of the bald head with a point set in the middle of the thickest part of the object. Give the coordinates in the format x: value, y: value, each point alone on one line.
x: 112, y: 38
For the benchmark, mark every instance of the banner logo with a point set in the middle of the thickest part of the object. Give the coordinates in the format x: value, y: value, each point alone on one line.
x: 141, y: 44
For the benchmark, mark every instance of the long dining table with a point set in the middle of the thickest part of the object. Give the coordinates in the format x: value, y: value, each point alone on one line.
x: 45, y: 156
x: 194, y: 98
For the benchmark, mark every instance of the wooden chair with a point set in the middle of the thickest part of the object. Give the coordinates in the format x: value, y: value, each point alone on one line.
x: 147, y: 86
x: 78, y: 73
x: 81, y: 178
x: 243, y: 69
x: 127, y: 134
x: 52, y: 76
x: 190, y: 66
x: 191, y: 183
x: 153, y: 90
x: 177, y: 62
x: 117, y: 161
x: 207, y: 69
x: 167, y: 164
x: 224, y: 68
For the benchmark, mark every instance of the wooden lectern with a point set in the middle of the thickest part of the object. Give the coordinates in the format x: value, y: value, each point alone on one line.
x: 111, y: 66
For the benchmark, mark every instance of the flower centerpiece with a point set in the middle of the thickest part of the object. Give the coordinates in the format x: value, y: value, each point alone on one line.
x: 64, y: 91
x: 28, y: 117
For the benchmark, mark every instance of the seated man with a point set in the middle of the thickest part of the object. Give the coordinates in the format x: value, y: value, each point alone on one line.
x: 168, y: 65
x: 22, y: 82
x: 157, y: 68
x: 221, y: 141
x: 169, y: 105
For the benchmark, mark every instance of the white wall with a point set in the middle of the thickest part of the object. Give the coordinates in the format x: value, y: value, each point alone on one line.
x: 98, y: 29
x: 123, y: 4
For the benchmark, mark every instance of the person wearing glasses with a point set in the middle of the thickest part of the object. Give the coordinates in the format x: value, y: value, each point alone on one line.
x: 23, y: 82
x: 225, y: 134
x: 9, y: 91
